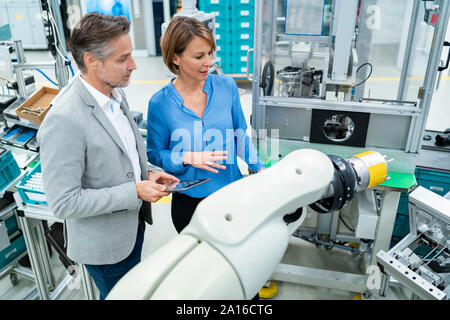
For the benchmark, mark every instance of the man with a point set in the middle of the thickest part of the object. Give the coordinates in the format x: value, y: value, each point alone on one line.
x: 93, y: 159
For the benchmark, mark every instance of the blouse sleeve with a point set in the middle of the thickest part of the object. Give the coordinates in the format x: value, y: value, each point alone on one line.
x: 158, y: 141
x: 244, y: 145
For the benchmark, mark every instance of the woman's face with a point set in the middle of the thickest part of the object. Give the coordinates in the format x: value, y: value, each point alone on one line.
x: 196, y: 60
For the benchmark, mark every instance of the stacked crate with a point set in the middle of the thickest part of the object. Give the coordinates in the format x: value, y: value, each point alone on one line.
x: 234, y: 32
x: 9, y: 169
x: 15, y: 245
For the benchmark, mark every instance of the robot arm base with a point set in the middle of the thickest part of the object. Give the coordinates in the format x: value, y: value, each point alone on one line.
x: 182, y: 269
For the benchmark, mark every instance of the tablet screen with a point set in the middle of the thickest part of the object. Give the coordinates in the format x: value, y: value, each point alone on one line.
x: 185, y: 185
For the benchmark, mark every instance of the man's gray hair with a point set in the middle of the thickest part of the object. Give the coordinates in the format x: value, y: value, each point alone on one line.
x: 93, y: 34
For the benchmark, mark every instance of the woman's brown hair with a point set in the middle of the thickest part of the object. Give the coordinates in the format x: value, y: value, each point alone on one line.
x: 179, y: 33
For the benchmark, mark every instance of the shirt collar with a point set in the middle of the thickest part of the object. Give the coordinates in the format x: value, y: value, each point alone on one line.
x: 99, y: 97
x: 115, y: 96
x: 176, y: 95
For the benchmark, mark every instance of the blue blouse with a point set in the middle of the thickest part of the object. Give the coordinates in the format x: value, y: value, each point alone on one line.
x: 174, y: 129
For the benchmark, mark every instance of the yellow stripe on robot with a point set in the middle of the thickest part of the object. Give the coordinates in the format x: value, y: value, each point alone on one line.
x: 376, y: 165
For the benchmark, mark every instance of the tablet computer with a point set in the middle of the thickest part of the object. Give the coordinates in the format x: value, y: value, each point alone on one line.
x: 185, y: 185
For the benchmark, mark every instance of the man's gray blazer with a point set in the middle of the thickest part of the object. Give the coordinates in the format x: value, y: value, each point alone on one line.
x: 89, y: 178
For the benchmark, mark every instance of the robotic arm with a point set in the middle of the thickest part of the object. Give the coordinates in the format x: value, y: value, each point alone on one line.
x: 238, y: 235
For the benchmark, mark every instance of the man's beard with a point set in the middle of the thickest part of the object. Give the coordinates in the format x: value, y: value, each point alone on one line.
x: 120, y: 84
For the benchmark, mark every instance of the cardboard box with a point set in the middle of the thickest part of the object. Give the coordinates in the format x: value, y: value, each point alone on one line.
x: 37, y: 105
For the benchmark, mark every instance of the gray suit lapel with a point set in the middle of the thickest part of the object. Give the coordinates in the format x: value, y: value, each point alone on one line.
x: 107, y: 125
x: 139, y: 143
x: 126, y: 110
x: 89, y: 100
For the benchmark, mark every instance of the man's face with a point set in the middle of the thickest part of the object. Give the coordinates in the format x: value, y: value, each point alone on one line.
x: 116, y: 69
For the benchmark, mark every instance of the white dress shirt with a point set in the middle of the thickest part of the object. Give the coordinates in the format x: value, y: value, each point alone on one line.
x: 111, y: 107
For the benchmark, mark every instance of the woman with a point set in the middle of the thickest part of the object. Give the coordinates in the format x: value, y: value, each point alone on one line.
x: 196, y: 123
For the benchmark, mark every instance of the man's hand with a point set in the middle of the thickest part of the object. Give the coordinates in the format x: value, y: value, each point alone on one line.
x: 205, y: 160
x: 151, y: 191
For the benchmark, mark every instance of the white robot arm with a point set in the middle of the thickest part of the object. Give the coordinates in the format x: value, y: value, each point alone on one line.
x: 239, y: 234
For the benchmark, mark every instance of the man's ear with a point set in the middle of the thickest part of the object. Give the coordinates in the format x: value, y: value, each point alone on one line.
x: 90, y: 61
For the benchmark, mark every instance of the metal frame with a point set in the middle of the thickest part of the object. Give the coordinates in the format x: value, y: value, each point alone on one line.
x: 319, y: 277
x: 13, y: 267
x: 409, y: 279
x: 58, y: 65
x: 408, y: 49
x: 422, y: 202
x: 419, y: 124
x: 31, y: 225
x: 344, y: 280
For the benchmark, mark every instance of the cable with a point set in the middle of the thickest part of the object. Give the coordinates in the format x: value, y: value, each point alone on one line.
x: 39, y: 70
x: 370, y: 73
x: 70, y: 66
x: 57, y: 37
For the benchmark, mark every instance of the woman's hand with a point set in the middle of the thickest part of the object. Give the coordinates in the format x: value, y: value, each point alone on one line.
x: 205, y: 160
x: 162, y: 177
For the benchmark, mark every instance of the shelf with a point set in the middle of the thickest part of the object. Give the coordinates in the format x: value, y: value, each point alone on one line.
x: 21, y: 123
x: 304, y: 38
x: 29, y: 155
x: 399, y: 181
x: 238, y: 76
x: 13, y: 183
x: 6, y: 212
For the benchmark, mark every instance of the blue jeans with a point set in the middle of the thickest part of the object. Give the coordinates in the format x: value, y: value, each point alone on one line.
x: 107, y: 275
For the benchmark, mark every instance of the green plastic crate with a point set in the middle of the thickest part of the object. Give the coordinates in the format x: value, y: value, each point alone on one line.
x: 13, y: 251
x: 433, y: 180
x: 9, y: 169
x: 401, y: 226
x: 403, y: 207
x: 11, y: 225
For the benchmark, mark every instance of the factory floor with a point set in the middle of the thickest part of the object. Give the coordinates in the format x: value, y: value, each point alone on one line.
x: 146, y: 80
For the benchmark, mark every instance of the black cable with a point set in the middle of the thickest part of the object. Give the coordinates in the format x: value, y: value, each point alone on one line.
x: 370, y: 73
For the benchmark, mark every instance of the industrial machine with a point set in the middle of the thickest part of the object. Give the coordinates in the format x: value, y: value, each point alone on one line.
x: 421, y: 261
x: 334, y: 76
x: 231, y: 248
